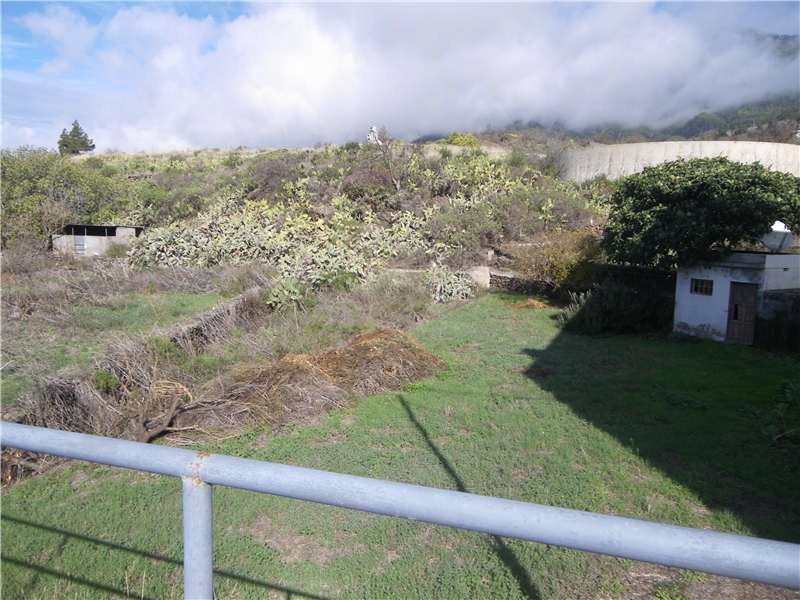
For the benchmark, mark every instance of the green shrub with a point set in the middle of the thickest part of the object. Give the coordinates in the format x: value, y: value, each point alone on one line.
x: 446, y: 285
x: 783, y: 421
x: 472, y: 177
x: 42, y: 191
x: 685, y: 211
x: 288, y: 293
x: 467, y: 140
x: 517, y: 158
x: 616, y: 308
x: 108, y: 170
x: 105, y: 381
x: 461, y: 231
x: 233, y: 160
x: 519, y: 214
x: 558, y: 260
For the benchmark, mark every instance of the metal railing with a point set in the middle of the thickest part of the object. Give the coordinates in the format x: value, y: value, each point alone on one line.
x: 749, y: 558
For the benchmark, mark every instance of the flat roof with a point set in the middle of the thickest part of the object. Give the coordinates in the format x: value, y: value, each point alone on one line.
x: 103, y: 225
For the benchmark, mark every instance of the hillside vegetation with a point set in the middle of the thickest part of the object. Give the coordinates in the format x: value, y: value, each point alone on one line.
x: 337, y: 204
x: 774, y: 119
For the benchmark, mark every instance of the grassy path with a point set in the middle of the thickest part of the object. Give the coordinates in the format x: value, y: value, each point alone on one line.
x: 655, y: 428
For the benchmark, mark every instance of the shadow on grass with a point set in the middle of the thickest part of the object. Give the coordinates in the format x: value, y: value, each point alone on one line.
x: 498, y: 546
x: 694, y: 410
x: 66, y: 535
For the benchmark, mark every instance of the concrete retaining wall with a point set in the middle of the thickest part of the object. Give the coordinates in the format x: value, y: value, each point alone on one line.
x: 619, y: 160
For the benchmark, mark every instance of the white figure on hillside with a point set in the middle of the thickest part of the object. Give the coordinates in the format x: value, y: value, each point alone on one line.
x: 373, y: 137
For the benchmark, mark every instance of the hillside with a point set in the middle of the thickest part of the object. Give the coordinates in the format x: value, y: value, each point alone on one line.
x: 775, y: 119
x: 409, y: 206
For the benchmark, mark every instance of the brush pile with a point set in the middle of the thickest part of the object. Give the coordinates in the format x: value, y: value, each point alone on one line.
x: 137, y: 399
x: 300, y: 385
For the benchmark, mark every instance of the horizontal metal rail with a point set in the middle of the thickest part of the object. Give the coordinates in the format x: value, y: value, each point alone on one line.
x: 731, y: 555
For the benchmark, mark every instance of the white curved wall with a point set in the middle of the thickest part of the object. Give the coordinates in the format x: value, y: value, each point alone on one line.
x: 624, y: 159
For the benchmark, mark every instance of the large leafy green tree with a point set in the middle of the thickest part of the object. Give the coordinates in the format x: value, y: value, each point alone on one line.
x: 74, y: 141
x: 686, y: 211
x: 42, y: 191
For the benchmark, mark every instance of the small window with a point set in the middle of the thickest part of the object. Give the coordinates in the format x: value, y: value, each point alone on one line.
x: 704, y: 287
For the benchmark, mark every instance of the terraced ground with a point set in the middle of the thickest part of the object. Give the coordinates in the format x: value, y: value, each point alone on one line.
x: 45, y: 344
x: 656, y: 428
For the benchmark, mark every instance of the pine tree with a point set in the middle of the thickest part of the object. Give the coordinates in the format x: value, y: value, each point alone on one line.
x: 75, y: 141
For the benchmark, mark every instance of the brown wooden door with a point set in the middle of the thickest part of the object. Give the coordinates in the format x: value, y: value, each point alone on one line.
x: 742, y: 313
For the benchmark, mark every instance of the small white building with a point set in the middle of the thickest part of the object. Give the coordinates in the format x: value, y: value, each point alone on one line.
x: 722, y: 300
x: 93, y: 240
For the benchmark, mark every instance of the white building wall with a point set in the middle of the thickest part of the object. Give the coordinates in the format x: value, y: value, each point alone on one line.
x: 97, y: 245
x: 64, y: 244
x: 94, y: 245
x: 707, y: 316
x: 782, y: 272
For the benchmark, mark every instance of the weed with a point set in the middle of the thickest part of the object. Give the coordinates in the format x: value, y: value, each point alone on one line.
x: 105, y: 381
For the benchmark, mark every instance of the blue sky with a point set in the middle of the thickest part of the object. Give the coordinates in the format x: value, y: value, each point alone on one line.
x: 145, y: 76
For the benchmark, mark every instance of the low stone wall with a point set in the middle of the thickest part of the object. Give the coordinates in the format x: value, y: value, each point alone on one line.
x: 505, y: 281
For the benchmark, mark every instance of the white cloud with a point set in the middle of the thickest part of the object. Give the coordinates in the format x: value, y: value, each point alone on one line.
x: 69, y: 32
x: 298, y: 74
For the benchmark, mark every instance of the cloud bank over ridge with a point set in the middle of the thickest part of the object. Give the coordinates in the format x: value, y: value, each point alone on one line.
x: 150, y: 77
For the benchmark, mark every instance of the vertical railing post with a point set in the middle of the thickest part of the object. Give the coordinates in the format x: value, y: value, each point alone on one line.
x: 197, y: 540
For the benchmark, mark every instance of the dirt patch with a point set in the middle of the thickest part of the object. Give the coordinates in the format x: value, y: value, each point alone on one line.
x: 531, y: 303
x: 647, y: 581
x: 300, y: 385
x: 467, y: 348
x: 292, y: 547
x: 329, y: 440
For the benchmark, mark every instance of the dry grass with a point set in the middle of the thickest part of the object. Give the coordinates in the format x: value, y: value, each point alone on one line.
x: 60, y: 283
x: 377, y: 362
x: 531, y: 303
x: 197, y: 379
x: 70, y: 404
x: 300, y: 385
x: 138, y: 397
x: 146, y: 404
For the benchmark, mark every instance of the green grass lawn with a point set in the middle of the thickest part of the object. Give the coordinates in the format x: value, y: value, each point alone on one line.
x: 647, y: 427
x: 87, y: 330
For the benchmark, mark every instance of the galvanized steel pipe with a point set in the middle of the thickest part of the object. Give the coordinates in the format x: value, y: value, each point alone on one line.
x: 198, y: 538
x: 731, y: 555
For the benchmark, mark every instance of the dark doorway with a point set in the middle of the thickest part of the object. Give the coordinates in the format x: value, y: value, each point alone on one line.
x: 742, y: 313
